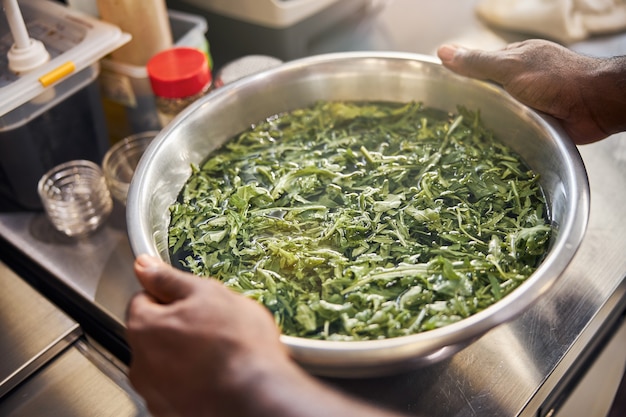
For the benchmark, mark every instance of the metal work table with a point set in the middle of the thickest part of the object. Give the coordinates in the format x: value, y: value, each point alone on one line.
x: 48, y: 367
x: 517, y: 369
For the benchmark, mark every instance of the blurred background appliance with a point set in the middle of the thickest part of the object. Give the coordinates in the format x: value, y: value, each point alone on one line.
x: 281, y: 28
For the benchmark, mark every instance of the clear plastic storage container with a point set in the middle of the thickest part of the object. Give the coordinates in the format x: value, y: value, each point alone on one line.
x: 128, y: 98
x: 52, y: 114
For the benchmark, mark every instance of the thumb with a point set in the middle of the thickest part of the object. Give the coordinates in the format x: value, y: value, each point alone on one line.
x: 483, y: 65
x: 161, y: 280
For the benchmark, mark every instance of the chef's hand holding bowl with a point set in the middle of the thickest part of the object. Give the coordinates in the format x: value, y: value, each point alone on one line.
x: 369, y: 76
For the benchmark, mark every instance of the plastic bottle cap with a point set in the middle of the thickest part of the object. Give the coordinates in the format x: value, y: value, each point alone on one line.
x: 178, y: 72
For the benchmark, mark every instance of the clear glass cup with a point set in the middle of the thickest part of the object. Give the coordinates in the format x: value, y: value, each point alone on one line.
x: 121, y: 160
x: 75, y: 197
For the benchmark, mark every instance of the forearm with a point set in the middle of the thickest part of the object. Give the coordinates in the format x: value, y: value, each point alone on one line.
x: 290, y: 392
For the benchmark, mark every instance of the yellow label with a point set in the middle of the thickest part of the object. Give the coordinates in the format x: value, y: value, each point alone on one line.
x: 57, y: 73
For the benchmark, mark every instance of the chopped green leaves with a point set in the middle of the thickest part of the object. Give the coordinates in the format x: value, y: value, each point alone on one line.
x: 357, y: 221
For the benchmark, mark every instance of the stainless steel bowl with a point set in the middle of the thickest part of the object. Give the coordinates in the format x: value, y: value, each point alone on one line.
x: 209, y: 122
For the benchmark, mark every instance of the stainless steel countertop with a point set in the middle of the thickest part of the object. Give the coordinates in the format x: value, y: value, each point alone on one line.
x: 512, y: 370
x: 33, y: 330
x: 79, y: 382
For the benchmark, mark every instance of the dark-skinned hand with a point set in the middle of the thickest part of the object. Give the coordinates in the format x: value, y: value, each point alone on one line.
x: 586, y: 94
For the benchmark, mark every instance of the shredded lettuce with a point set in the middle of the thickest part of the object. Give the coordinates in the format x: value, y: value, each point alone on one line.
x: 360, y: 221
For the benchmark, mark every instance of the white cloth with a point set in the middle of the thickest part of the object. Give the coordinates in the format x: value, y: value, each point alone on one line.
x: 561, y: 20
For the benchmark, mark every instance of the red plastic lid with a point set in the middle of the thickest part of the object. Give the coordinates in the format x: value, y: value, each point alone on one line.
x: 178, y: 72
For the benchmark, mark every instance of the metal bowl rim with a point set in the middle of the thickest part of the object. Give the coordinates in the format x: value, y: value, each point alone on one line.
x: 475, y: 325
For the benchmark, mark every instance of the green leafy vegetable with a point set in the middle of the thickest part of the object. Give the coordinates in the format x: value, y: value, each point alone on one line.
x: 356, y: 221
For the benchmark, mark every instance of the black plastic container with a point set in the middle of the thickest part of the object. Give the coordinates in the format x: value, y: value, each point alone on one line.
x: 72, y: 128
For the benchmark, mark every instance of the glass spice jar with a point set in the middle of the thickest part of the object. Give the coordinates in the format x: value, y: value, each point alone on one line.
x: 178, y: 76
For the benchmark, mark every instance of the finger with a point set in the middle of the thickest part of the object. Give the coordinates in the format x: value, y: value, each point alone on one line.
x: 140, y: 305
x: 482, y: 65
x: 142, y: 310
x: 162, y: 281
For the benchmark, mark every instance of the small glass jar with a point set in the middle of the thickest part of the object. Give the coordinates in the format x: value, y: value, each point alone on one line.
x: 178, y: 76
x: 75, y: 197
x: 121, y: 160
